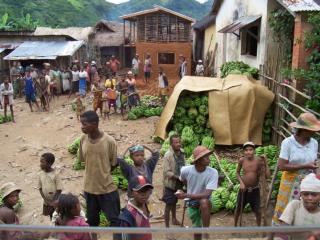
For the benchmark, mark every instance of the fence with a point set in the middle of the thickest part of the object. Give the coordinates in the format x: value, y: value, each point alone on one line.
x: 50, y: 232
x: 285, y: 109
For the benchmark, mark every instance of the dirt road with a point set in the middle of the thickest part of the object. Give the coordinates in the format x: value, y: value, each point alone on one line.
x: 23, y: 142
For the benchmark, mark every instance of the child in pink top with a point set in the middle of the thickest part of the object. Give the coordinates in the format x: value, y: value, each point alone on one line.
x: 69, y: 215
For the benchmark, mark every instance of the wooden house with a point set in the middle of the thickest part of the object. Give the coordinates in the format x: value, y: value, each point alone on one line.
x: 161, y: 32
x: 107, y: 37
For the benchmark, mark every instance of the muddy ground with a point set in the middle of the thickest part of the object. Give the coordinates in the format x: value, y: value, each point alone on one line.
x: 23, y: 142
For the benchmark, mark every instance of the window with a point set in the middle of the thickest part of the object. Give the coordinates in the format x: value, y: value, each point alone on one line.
x: 166, y: 58
x: 249, y: 41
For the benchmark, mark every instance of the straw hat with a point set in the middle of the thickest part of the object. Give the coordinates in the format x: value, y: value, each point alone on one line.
x: 129, y: 73
x: 307, y: 121
x: 200, y: 152
x: 8, y: 188
x: 248, y: 144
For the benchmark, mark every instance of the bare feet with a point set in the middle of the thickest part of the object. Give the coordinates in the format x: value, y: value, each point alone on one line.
x: 176, y: 222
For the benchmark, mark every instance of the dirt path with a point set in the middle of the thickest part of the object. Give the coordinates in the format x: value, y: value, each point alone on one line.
x: 23, y: 142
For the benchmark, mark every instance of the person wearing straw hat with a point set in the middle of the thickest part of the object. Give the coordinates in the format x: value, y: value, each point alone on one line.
x: 201, y: 180
x: 297, y: 158
x: 10, y: 197
x: 307, y: 210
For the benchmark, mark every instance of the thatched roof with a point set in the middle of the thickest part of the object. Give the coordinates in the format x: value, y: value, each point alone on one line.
x: 112, y: 34
x: 77, y: 33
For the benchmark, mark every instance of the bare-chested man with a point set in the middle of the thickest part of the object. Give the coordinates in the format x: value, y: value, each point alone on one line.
x: 249, y: 181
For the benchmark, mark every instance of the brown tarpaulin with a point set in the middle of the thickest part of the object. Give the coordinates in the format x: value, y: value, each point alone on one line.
x: 237, y: 106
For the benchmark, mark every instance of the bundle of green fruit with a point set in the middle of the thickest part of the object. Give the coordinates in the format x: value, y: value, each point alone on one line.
x: 4, y: 119
x: 149, y: 106
x: 190, y: 121
x: 74, y: 146
x: 238, y: 67
x: 17, y: 207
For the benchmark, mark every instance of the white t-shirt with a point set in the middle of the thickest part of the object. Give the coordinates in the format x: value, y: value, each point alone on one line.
x: 83, y: 74
x: 135, y: 63
x: 75, y: 76
x: 295, y: 214
x: 198, y: 182
x: 296, y: 153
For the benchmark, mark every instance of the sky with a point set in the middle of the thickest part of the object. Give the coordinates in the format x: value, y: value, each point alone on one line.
x: 121, y: 1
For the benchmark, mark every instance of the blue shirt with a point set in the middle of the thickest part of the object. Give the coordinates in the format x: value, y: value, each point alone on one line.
x: 29, y: 89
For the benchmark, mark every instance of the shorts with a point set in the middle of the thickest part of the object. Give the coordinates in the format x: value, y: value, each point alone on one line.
x: 251, y: 196
x: 47, y: 210
x: 30, y: 97
x: 169, y: 196
x: 163, y: 91
x: 147, y: 74
x: 124, y: 100
x: 195, y: 216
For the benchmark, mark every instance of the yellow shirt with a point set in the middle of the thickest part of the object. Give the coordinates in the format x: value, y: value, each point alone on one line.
x: 108, y: 83
x: 98, y: 158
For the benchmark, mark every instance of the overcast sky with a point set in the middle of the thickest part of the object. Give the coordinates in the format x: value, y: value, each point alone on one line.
x: 121, y: 1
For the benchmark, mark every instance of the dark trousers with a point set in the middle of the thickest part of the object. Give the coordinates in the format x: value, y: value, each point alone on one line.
x: 108, y: 203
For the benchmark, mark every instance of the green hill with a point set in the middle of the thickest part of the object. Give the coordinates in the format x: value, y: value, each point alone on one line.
x: 66, y: 13
x: 191, y: 8
x: 57, y: 13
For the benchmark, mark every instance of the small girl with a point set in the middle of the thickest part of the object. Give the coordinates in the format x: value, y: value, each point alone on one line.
x: 69, y: 215
x: 79, y: 107
x: 140, y: 167
x: 97, y: 97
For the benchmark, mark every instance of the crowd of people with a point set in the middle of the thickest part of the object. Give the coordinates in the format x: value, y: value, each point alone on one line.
x: 299, y: 193
x: 297, y: 204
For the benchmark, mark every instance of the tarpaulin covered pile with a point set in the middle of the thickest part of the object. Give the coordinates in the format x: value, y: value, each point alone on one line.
x: 237, y: 106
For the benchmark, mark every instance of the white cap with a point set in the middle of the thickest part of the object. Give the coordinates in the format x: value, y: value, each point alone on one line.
x: 93, y: 63
x: 310, y: 184
x: 129, y: 73
x: 200, y: 61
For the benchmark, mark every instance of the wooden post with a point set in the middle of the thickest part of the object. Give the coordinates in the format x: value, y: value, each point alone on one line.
x: 157, y: 27
x: 145, y: 28
x: 130, y: 39
x: 124, y: 44
x: 177, y: 29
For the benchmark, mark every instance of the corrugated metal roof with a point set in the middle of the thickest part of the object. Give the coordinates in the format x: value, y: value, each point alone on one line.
x: 2, y: 49
x: 302, y: 5
x: 44, y: 50
x: 240, y: 23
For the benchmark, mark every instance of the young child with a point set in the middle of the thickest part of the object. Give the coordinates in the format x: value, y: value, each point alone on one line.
x: 97, y: 97
x: 6, y: 93
x: 112, y: 96
x: 10, y: 193
x: 69, y: 215
x: 79, y: 106
x: 307, y: 210
x: 42, y: 87
x: 135, y: 214
x: 140, y: 167
x: 173, y: 161
x: 163, y: 86
x: 50, y: 186
x: 249, y: 182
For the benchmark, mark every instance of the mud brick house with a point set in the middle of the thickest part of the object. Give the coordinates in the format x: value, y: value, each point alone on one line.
x: 161, y: 32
